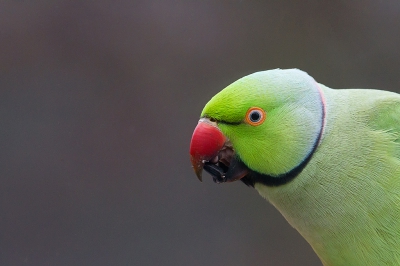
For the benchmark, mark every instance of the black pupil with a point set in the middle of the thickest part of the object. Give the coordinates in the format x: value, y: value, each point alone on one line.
x: 255, y: 116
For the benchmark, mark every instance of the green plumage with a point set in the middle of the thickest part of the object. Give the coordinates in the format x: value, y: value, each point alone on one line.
x: 346, y: 201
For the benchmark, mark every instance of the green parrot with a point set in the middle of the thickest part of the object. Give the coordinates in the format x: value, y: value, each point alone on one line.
x: 328, y: 160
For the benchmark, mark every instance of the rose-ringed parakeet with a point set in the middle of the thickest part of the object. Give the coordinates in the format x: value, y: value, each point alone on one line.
x: 328, y: 160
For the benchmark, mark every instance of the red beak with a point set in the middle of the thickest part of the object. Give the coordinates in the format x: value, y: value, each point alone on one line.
x: 207, y: 140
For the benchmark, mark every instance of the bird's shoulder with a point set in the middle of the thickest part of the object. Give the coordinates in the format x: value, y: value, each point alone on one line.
x: 384, y: 111
x: 379, y: 109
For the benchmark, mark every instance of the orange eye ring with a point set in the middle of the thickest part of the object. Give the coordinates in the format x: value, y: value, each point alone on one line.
x: 255, y: 116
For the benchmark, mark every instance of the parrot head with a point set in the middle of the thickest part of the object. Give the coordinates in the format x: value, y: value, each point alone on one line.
x: 263, y: 128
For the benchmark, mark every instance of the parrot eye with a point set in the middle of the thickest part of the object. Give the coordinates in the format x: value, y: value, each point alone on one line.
x: 255, y: 116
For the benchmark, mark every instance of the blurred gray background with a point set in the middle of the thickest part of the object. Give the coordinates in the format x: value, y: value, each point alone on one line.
x: 98, y: 101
